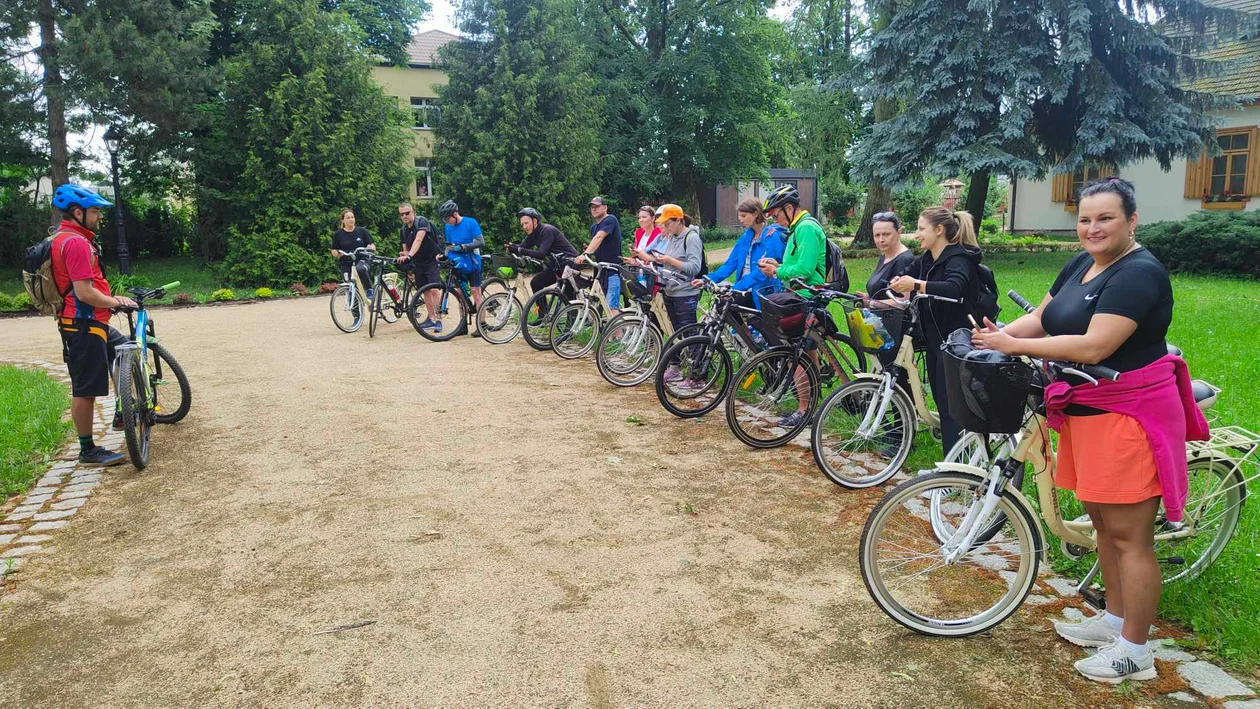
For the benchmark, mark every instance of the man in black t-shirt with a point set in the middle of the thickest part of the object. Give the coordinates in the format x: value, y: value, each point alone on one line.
x: 418, y: 257
x: 605, y: 247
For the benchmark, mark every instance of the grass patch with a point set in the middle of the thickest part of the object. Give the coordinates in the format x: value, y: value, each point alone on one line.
x: 1215, y: 324
x: 31, y: 429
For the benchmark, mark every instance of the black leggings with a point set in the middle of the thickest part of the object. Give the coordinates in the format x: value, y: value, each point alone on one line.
x: 950, y: 430
x: 365, y: 272
x: 542, y: 279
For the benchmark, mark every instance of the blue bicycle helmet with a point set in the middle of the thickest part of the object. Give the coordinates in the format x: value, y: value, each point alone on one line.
x: 71, y: 195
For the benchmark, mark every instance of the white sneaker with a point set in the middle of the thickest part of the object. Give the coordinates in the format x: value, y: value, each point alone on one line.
x: 1091, y: 632
x: 1114, y: 664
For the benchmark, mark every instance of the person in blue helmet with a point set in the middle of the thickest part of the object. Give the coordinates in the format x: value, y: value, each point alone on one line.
x: 464, y: 242
x: 87, y: 340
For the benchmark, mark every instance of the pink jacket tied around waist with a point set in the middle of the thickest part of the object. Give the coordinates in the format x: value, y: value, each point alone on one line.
x: 1160, y: 398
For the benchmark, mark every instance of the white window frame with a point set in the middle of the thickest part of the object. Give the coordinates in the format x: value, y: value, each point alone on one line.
x: 428, y: 107
x: 424, y: 170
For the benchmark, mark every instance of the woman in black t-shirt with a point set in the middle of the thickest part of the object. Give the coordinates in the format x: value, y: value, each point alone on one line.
x: 894, y: 257
x: 348, y: 238
x: 1111, y: 305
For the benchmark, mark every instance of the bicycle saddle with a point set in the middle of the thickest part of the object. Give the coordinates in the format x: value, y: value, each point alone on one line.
x: 1204, y: 393
x: 1173, y: 349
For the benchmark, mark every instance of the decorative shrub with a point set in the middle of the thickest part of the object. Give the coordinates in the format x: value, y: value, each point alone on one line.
x: 6, y: 302
x: 120, y: 284
x: 718, y: 233
x: 1208, y: 242
x: 328, y: 286
x: 183, y: 299
x: 264, y: 292
x: 989, y: 226
x: 221, y: 295
x: 22, y: 301
x: 299, y: 289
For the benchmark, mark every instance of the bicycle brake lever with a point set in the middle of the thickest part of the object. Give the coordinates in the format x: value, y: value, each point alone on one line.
x: 1079, y: 373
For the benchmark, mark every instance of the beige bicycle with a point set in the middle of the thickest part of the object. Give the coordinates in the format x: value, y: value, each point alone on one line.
x: 955, y: 551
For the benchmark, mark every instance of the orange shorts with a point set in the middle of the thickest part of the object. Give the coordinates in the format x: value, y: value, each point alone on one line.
x: 1106, y: 459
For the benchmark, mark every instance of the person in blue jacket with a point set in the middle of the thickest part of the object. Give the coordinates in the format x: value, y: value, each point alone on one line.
x: 464, y: 242
x: 759, y: 240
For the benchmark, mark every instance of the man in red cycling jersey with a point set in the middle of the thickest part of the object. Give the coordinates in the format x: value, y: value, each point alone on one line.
x: 87, y: 340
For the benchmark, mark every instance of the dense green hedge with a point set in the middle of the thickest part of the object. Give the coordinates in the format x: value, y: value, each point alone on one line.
x: 1208, y: 242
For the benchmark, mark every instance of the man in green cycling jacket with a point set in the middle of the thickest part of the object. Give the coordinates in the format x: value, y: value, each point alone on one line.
x: 806, y: 254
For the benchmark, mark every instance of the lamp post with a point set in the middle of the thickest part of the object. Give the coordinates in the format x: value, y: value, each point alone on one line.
x: 113, y: 137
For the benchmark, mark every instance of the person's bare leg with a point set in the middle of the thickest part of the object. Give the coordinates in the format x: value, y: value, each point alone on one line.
x: 431, y: 303
x: 1108, y: 561
x: 82, y: 413
x: 476, y: 294
x: 1131, y: 529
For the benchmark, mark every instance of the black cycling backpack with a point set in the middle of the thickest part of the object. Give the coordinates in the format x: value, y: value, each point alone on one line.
x: 986, y: 305
x: 837, y: 275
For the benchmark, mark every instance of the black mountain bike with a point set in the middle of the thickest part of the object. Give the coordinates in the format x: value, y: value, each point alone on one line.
x: 455, y: 311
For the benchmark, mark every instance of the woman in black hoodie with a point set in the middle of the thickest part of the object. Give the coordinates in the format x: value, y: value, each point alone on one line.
x: 949, y: 267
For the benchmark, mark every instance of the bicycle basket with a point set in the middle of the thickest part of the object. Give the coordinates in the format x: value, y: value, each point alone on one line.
x: 783, y: 313
x: 639, y: 289
x: 878, y: 329
x: 987, y: 397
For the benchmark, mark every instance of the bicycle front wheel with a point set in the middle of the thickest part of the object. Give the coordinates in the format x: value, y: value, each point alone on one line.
x: 133, y: 395
x: 376, y: 310
x: 910, y: 576
x: 346, y: 308
x: 540, y: 311
x: 1215, y: 497
x: 170, y: 403
x: 499, y: 318
x: 627, y: 351
x: 694, y: 376
x: 575, y: 330
x: 773, y: 398
x: 855, y: 444
x: 450, y: 315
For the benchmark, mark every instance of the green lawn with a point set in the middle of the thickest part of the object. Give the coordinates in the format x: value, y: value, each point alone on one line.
x: 1217, y: 323
x: 31, y: 429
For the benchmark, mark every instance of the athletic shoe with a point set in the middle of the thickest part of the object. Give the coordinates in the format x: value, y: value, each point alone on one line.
x: 1091, y: 632
x: 433, y: 325
x: 371, y: 294
x: 427, y: 323
x: 118, y: 421
x: 1114, y: 664
x: 792, y: 420
x: 475, y: 333
x: 101, y: 456
x: 672, y: 375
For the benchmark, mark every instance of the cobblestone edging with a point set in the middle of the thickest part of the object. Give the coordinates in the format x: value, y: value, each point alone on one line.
x: 27, y: 524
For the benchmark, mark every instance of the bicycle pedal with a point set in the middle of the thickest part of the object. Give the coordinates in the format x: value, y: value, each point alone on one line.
x: 1095, y: 597
x: 1173, y: 560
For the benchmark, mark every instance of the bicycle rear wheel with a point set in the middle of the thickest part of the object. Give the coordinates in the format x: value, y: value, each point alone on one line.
x: 134, y: 403
x: 773, y: 399
x: 540, y: 311
x: 346, y: 308
x: 170, y: 404
x: 492, y: 285
x: 905, y: 569
x: 694, y: 376
x: 499, y: 318
x: 855, y: 456
x: 1213, y: 503
x: 575, y: 330
x: 450, y: 313
x: 627, y: 351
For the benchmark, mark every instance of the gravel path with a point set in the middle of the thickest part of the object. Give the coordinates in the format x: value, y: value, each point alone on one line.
x: 514, y: 540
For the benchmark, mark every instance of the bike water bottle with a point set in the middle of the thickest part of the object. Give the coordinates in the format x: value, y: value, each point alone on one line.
x: 393, y: 292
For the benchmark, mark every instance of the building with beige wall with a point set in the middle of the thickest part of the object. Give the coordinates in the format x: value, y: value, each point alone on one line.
x: 415, y: 88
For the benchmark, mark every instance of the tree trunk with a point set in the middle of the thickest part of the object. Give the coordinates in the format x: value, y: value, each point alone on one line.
x: 877, y: 195
x: 977, y: 193
x: 54, y: 94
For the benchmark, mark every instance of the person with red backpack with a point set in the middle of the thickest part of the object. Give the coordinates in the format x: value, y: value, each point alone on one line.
x: 88, y: 342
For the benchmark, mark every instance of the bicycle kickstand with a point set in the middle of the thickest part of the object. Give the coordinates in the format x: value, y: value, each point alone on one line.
x: 1095, y: 597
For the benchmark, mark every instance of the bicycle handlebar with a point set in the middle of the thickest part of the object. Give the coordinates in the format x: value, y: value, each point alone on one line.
x: 1021, y: 301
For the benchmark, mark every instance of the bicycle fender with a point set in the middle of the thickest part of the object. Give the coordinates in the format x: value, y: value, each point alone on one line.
x: 1020, y: 500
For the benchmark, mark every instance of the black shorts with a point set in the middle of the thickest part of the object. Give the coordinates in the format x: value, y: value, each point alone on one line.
x: 425, y: 272
x: 88, y: 349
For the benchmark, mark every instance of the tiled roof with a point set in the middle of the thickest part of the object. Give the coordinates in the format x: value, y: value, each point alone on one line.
x: 1241, y: 76
x: 423, y: 50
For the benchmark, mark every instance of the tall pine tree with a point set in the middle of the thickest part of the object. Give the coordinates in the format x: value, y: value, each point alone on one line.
x: 1022, y: 88
x: 520, y: 121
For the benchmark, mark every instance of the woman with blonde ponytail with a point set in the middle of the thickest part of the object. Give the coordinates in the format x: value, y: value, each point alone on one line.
x: 949, y: 267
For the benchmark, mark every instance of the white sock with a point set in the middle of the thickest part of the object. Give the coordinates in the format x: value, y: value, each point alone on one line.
x: 1115, y: 621
x: 1133, y: 648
